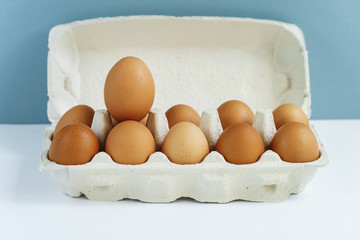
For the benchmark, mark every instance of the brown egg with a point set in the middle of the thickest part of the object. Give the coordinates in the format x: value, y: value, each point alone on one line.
x: 295, y: 142
x: 130, y: 142
x: 74, y: 144
x: 129, y: 90
x: 182, y: 113
x: 289, y: 112
x: 240, y: 144
x: 235, y: 111
x: 78, y: 114
x: 185, y: 143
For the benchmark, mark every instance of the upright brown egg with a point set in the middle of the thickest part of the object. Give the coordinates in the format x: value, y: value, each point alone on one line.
x: 235, y: 111
x: 129, y: 90
x: 185, y: 143
x: 240, y: 144
x: 74, y: 144
x: 289, y: 112
x: 182, y: 113
x: 295, y: 142
x: 78, y: 114
x: 130, y: 142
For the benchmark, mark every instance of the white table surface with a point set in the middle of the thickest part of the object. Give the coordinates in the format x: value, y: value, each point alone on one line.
x: 33, y: 207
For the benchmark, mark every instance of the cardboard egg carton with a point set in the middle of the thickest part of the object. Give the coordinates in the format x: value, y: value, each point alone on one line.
x: 198, y: 61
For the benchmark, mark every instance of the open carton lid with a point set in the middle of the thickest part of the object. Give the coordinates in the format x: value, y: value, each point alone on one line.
x: 198, y: 61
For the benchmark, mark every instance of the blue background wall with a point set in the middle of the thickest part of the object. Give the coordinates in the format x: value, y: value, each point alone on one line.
x: 331, y: 28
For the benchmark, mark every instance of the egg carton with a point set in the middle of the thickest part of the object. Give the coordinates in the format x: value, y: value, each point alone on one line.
x: 159, y: 180
x: 198, y: 61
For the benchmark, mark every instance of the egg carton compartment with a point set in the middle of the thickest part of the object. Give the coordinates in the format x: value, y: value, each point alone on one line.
x: 198, y: 61
x: 159, y: 180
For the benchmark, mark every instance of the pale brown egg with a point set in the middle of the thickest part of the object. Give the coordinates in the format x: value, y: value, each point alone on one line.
x: 289, y: 112
x: 130, y: 142
x: 185, y: 143
x: 235, y: 111
x: 295, y: 142
x: 74, y: 144
x: 129, y: 90
x: 240, y: 144
x: 78, y: 114
x: 182, y: 113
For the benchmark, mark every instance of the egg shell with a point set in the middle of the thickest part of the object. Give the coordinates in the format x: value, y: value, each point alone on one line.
x: 235, y: 111
x: 129, y: 90
x: 77, y: 114
x: 295, y: 142
x: 130, y: 142
x: 289, y: 112
x: 74, y: 144
x: 240, y: 143
x: 186, y: 71
x: 182, y: 113
x: 185, y: 143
